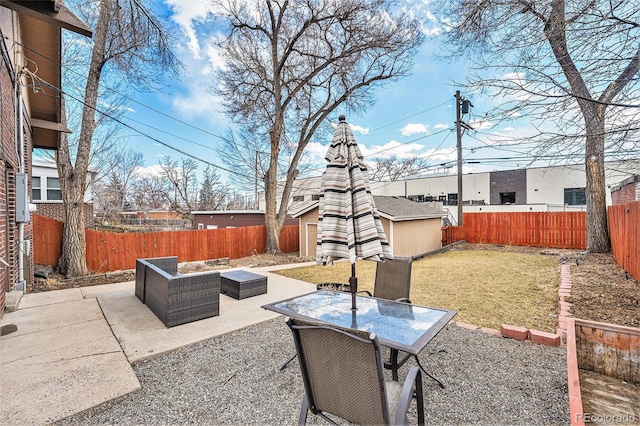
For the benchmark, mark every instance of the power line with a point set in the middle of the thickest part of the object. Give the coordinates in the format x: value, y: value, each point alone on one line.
x: 169, y: 134
x: 410, y: 116
x: 68, y: 67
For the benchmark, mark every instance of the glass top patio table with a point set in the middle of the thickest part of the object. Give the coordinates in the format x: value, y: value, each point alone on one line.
x: 401, y: 326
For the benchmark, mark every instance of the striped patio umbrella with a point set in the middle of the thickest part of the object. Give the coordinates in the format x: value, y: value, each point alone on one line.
x: 349, y: 226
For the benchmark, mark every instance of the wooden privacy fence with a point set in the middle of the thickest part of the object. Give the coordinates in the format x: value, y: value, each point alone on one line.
x: 536, y: 229
x: 47, y: 240
x: 108, y: 251
x: 624, y: 221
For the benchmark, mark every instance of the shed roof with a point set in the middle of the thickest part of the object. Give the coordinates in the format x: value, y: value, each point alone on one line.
x: 398, y: 208
x: 394, y: 208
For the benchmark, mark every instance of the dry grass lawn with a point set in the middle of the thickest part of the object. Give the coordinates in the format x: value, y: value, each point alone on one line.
x: 487, y: 288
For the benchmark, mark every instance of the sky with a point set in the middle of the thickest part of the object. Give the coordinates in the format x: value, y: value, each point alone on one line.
x: 413, y: 117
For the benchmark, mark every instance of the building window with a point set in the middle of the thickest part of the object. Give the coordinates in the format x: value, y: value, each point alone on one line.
x: 575, y: 196
x: 507, y: 198
x: 452, y: 199
x: 36, y: 193
x: 201, y: 226
x: 315, y: 197
x: 297, y: 198
x: 53, y: 189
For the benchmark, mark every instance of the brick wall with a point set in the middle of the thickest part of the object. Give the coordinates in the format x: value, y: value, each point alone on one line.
x: 55, y: 210
x: 626, y: 192
x: 9, y: 166
x: 508, y: 181
x: 7, y: 133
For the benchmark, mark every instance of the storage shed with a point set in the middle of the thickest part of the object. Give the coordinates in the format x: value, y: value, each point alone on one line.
x: 412, y: 228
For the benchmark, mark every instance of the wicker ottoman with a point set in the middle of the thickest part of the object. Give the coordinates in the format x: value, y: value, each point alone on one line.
x: 242, y: 284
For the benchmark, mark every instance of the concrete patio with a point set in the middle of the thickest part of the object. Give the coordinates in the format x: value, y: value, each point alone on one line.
x: 73, y: 349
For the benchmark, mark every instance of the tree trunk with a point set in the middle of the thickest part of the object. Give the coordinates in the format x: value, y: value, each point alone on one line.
x: 73, y: 178
x: 593, y: 114
x: 72, y: 260
x: 597, y: 230
x: 271, y: 195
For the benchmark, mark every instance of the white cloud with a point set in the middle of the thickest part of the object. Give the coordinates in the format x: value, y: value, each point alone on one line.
x: 185, y: 13
x: 153, y: 170
x: 198, y: 101
x: 316, y: 152
x: 481, y: 124
x: 193, y: 98
x: 359, y: 129
x: 354, y: 128
x: 215, y: 59
x: 441, y: 126
x: 439, y: 155
x: 413, y: 129
x: 391, y: 149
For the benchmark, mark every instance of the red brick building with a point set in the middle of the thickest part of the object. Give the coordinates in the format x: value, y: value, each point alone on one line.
x: 30, y: 46
x: 626, y: 191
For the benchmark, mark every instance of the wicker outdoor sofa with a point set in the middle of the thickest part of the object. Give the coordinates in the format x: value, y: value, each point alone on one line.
x: 175, y: 298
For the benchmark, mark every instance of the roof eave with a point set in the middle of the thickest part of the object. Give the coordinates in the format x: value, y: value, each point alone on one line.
x: 63, y: 18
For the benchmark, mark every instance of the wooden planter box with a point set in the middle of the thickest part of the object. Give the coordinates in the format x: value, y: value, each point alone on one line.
x: 603, y: 367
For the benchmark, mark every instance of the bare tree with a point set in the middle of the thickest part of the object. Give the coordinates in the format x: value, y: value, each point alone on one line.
x: 213, y: 192
x: 150, y: 192
x: 128, y: 40
x: 571, y: 67
x: 184, y: 182
x: 119, y: 176
x: 247, y: 153
x: 290, y: 65
x: 393, y: 168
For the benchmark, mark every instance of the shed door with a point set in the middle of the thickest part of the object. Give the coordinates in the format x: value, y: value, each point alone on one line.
x: 312, y: 239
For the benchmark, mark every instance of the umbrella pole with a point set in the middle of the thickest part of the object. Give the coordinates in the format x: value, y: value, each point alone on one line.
x: 353, y: 285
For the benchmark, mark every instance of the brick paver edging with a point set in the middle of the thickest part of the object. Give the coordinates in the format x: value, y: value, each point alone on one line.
x: 537, y: 336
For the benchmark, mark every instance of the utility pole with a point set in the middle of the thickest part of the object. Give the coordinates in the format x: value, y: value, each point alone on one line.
x: 459, y: 149
x: 462, y: 107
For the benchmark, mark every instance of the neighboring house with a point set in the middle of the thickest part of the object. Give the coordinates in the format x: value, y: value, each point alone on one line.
x: 31, y: 46
x: 626, y: 191
x: 557, y: 188
x: 232, y: 219
x: 46, y: 194
x: 412, y: 229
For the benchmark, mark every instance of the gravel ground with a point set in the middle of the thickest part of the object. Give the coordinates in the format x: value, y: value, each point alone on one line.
x: 235, y: 379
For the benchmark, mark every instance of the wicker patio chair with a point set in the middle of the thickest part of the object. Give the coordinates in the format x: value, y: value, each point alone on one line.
x: 175, y: 298
x: 343, y: 376
x: 168, y: 264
